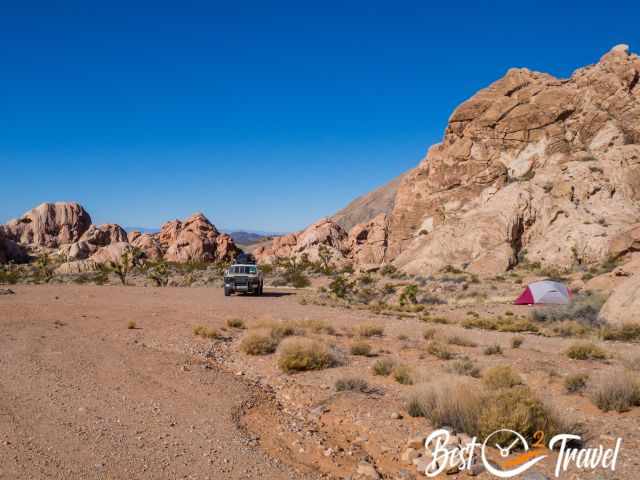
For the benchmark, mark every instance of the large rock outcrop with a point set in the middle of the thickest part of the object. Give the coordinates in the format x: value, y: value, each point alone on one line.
x: 50, y: 225
x: 325, y: 234
x: 530, y: 163
x: 148, y: 243
x: 195, y: 239
x: 623, y: 305
x: 94, y: 238
x: 368, y: 241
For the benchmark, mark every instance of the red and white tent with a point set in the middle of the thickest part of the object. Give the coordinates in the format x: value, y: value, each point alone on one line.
x: 544, y: 291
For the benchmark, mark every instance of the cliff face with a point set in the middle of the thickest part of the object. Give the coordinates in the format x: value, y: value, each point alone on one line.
x: 530, y: 163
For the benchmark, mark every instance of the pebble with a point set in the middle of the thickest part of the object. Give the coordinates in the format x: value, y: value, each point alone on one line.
x: 396, y: 416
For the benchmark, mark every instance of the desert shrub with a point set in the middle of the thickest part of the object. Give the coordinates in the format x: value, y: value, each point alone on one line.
x: 586, y: 351
x: 131, y: 325
x: 9, y: 274
x: 205, y: 332
x: 439, y: 350
x: 388, y: 270
x: 301, y: 354
x: 451, y: 269
x: 383, y: 367
x: 464, y: 366
x: 501, y: 324
x: 465, y: 408
x: 519, y: 410
x: 297, y: 279
x: 632, y: 363
x: 351, y: 384
x: 576, y: 382
x: 454, y: 404
x: 409, y: 295
x: 316, y: 326
x: 501, y: 376
x: 461, y: 341
x: 516, y: 342
x: 429, y: 333
x: 431, y: 299
x: 629, y: 332
x: 158, y: 273
x: 494, y: 349
x: 361, y: 348
x: 283, y: 330
x: 403, y: 375
x: 257, y: 344
x: 235, y: 323
x: 438, y: 320
x: 402, y: 337
x: 368, y: 330
x: 340, y: 287
x: 584, y: 308
x: 619, y: 392
x: 569, y: 328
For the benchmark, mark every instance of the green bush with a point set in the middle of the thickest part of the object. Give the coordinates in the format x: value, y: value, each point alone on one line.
x: 361, y: 348
x: 501, y: 376
x: 576, y: 383
x: 383, y: 367
x: 439, y: 350
x: 402, y: 375
x: 586, y: 351
x: 301, y: 354
x: 256, y: 344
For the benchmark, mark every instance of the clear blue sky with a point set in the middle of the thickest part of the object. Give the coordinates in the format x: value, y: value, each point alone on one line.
x: 263, y: 115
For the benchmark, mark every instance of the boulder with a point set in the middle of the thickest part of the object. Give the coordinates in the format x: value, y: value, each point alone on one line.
x: 623, y: 305
x: 111, y: 253
x: 94, y: 238
x: 10, y: 251
x: 368, y: 240
x: 50, y: 225
x: 148, y: 243
x: 195, y: 239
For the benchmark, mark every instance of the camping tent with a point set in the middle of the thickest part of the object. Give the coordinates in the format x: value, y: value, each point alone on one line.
x: 544, y: 291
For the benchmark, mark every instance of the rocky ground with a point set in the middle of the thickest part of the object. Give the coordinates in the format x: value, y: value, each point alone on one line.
x: 112, y: 382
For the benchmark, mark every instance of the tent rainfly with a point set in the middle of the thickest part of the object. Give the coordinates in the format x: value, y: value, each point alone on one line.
x: 544, y: 291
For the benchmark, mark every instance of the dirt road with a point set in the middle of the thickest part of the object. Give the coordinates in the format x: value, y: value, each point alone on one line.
x: 83, y: 396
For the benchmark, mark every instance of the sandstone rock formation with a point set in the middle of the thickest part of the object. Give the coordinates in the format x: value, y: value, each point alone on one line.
x: 148, y: 243
x: 10, y: 251
x: 366, y: 207
x: 623, y: 305
x: 324, y: 233
x: 50, y: 225
x: 195, y: 239
x: 531, y: 162
x: 368, y: 241
x: 94, y: 238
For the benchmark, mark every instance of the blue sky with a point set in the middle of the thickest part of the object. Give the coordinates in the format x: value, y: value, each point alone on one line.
x: 263, y: 115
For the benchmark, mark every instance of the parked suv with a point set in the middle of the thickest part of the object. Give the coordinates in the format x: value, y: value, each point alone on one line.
x: 243, y: 277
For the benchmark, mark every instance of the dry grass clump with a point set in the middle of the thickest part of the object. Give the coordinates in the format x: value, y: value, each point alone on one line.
x: 501, y: 376
x: 235, y: 323
x: 576, y: 383
x: 461, y: 341
x: 257, y: 344
x: 584, y: 308
x: 632, y: 363
x: 383, y: 367
x: 403, y: 375
x: 368, y: 330
x: 316, y: 326
x: 586, y: 351
x: 361, y: 348
x: 516, y: 342
x: 284, y: 330
x: 439, y: 350
x: 501, y: 324
x: 205, y: 332
x: 494, y: 349
x: 131, y: 325
x: 569, y: 328
x: 477, y: 412
x: 351, y: 384
x: 429, y: 333
x: 464, y: 366
x: 629, y: 332
x: 619, y: 392
x: 302, y: 354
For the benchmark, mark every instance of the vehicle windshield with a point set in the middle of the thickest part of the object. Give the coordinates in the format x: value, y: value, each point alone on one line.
x: 247, y: 269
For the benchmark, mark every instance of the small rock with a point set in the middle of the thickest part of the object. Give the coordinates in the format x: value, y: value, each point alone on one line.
x: 367, y: 470
x: 396, y: 416
x: 6, y: 291
x: 475, y: 469
x: 409, y: 455
x: 416, y: 442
